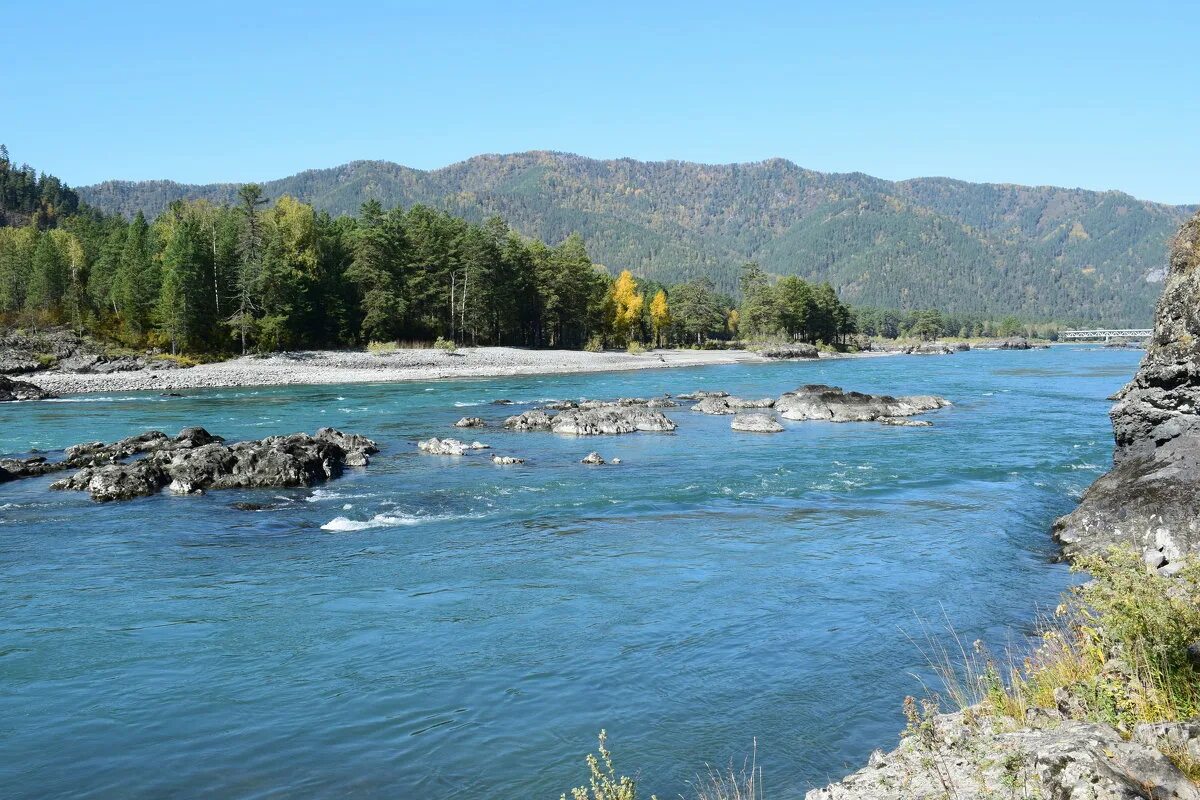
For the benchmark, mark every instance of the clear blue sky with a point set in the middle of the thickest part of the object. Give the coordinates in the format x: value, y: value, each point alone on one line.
x: 1104, y: 95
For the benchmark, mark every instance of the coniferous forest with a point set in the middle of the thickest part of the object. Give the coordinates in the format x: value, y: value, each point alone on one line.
x: 262, y: 274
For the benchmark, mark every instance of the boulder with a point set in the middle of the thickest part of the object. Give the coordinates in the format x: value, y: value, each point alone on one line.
x: 713, y: 405
x: 906, y: 423
x: 450, y: 447
x: 592, y: 458
x: 755, y: 422
x: 505, y: 460
x: 611, y: 420
x: 1150, y: 499
x: 12, y: 469
x: 350, y: 442
x: 533, y: 420
x: 730, y: 405
x: 196, y: 461
x: 831, y: 403
x: 11, y: 389
x: 470, y: 422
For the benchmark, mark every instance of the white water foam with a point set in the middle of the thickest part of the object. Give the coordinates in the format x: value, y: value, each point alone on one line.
x: 377, y: 521
x: 392, y: 520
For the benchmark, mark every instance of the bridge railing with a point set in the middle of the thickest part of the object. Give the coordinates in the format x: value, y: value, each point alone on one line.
x: 1107, y: 333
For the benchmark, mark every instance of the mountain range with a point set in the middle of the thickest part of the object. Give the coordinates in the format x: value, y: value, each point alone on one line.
x: 1041, y: 253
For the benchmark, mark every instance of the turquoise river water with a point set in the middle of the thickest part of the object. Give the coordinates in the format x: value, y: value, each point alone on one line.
x: 441, y: 627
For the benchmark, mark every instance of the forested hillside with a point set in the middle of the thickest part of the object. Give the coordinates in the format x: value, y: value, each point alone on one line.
x: 1041, y: 253
x: 263, y: 275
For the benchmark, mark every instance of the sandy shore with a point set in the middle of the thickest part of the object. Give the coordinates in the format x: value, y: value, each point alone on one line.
x: 324, y: 367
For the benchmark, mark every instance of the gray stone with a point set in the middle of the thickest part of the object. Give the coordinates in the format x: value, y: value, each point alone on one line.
x: 755, y: 422
x: 830, y: 403
x: 592, y: 458
x: 972, y: 756
x: 611, y: 420
x: 505, y: 460
x: 11, y: 389
x: 449, y: 447
x: 533, y: 420
x: 470, y: 422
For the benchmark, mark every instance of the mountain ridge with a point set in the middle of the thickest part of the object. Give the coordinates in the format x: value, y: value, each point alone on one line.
x: 1040, y: 252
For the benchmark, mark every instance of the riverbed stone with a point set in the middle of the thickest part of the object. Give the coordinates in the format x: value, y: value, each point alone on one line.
x: 611, y: 420
x: 755, y: 422
x: 832, y: 404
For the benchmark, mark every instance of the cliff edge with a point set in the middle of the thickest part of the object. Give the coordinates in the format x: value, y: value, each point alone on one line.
x: 1150, y: 500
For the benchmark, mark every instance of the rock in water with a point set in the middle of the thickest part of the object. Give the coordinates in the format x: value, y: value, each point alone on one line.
x: 11, y: 389
x: 505, y: 460
x: 592, y: 458
x: 470, y: 422
x: 830, y: 403
x: 1150, y: 500
x: 450, y: 447
x: 196, y: 461
x: 534, y: 420
x: 756, y: 422
x: 610, y: 420
x: 730, y: 405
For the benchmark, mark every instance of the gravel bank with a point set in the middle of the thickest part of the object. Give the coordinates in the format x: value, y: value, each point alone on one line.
x: 330, y: 366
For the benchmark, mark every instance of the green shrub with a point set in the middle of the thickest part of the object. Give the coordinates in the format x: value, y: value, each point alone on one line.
x: 595, y: 344
x: 445, y: 345
x: 380, y: 348
x: 603, y: 783
x: 635, y: 348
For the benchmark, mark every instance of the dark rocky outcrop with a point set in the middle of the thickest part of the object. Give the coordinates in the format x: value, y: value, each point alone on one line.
x: 1150, y: 500
x: 11, y: 389
x: 832, y: 404
x: 63, y: 350
x: 196, y: 461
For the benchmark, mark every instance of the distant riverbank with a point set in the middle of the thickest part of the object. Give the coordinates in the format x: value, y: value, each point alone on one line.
x: 337, y: 366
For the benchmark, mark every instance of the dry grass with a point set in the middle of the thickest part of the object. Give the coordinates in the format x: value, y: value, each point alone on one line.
x: 1114, y: 651
x: 730, y: 783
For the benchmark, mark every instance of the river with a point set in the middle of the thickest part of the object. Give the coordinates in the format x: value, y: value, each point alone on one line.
x: 442, y: 627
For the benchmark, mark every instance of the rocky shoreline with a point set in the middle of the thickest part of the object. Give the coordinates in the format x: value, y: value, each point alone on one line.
x: 58, y: 362
x: 1149, y: 502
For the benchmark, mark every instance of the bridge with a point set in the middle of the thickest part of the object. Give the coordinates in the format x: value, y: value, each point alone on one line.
x: 1107, y: 333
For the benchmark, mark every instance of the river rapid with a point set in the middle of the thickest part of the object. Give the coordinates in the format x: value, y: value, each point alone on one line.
x: 442, y: 627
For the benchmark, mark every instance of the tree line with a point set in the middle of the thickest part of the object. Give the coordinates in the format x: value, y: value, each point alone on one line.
x: 257, y: 275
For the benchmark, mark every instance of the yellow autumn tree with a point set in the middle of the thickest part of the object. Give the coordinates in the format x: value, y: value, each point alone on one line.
x: 660, y: 315
x: 627, y: 303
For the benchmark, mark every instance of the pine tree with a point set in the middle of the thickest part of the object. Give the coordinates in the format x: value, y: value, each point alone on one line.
x: 250, y: 246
